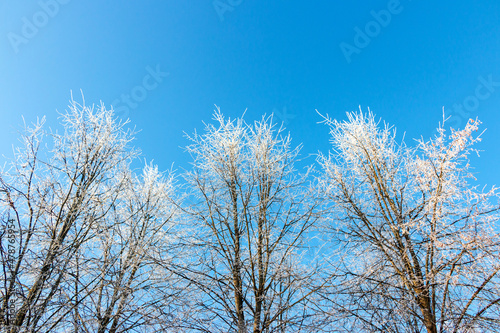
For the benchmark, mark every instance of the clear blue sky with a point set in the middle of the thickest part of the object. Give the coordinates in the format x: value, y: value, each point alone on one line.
x: 405, y: 60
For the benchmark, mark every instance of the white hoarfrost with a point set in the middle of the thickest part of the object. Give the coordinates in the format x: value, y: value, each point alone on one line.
x: 89, y: 232
x: 420, y: 247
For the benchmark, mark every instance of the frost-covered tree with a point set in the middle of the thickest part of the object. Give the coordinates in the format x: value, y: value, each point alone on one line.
x: 79, y: 229
x: 121, y: 265
x: 251, y: 214
x: 419, y: 244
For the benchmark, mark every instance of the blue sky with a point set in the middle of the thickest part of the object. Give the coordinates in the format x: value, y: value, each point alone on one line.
x: 406, y: 60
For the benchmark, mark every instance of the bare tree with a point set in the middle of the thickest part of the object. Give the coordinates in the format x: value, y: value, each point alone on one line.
x: 121, y: 264
x: 80, y: 232
x: 419, y: 244
x: 251, y: 215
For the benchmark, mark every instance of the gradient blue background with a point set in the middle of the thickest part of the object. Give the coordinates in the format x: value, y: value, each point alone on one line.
x: 262, y: 56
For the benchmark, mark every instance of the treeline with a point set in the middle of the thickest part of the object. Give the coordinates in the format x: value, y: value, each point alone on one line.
x: 376, y: 236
